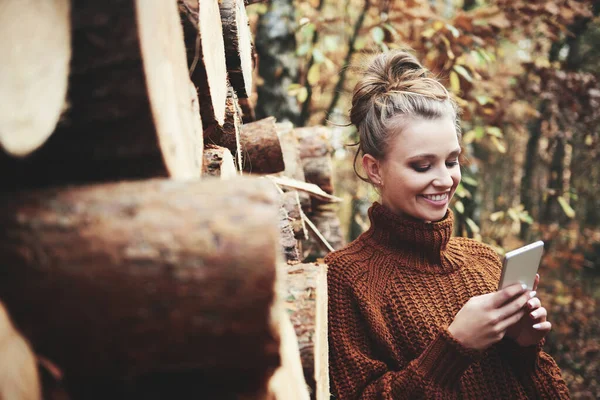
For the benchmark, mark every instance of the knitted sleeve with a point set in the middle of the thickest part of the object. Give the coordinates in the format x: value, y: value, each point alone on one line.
x: 536, y: 370
x: 358, y: 369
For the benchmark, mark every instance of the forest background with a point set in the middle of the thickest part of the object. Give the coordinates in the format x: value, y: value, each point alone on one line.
x: 526, y: 75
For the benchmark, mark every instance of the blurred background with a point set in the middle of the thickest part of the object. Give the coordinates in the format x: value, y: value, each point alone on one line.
x: 525, y: 73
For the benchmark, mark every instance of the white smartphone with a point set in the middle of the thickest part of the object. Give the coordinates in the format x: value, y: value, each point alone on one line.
x: 521, y: 265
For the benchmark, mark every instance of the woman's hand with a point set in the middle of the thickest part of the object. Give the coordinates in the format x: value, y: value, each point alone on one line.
x: 484, y: 319
x: 533, y: 326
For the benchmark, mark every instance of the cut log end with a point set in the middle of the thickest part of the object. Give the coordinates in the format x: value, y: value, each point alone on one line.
x: 35, y: 43
x: 218, y: 162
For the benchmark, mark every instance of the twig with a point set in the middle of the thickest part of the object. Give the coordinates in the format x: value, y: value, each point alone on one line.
x: 316, y: 232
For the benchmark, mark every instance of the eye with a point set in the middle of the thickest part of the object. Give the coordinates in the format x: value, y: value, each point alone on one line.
x: 421, y: 167
x: 452, y: 163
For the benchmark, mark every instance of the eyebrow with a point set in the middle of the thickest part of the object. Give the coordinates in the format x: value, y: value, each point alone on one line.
x: 455, y: 153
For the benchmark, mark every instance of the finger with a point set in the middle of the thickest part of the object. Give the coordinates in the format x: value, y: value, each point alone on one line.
x: 536, y: 281
x: 514, y: 306
x: 501, y: 297
x: 534, y: 303
x: 543, y: 326
x: 540, y: 314
x: 511, y: 320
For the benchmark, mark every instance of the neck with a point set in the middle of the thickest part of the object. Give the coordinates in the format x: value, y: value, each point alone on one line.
x: 418, y: 244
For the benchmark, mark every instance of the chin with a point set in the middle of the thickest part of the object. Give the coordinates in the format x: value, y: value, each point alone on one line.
x: 434, y: 216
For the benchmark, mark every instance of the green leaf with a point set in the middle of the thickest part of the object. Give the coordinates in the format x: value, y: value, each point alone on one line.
x: 330, y: 43
x: 360, y: 43
x: 499, y: 145
x: 302, y: 94
x: 318, y: 56
x: 463, y: 72
x: 454, y: 82
x: 496, y: 216
x: 468, y: 137
x: 314, y: 74
x: 479, y: 132
x: 303, y: 49
x: 378, y: 34
x: 569, y: 212
x: 459, y: 206
x: 469, y: 181
x: 454, y: 31
x: 472, y: 225
x: 494, y: 131
x: 483, y: 100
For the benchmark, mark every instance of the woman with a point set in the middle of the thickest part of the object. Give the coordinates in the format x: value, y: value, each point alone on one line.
x: 414, y: 313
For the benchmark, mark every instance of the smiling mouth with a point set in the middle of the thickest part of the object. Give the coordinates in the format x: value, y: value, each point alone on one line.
x: 436, y: 197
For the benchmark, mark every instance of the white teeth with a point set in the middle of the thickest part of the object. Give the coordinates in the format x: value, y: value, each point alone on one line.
x: 436, y: 197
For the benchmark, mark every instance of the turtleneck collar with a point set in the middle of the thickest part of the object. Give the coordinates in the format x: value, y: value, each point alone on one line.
x: 418, y: 244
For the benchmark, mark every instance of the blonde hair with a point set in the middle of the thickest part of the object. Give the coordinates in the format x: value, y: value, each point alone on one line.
x: 395, y: 88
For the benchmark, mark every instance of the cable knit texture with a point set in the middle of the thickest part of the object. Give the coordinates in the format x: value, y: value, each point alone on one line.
x: 392, y: 294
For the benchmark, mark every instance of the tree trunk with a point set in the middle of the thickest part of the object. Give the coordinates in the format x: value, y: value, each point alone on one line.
x: 132, y: 114
x: 278, y: 63
x: 218, y: 162
x: 307, y: 302
x: 203, y: 32
x: 238, y: 46
x: 174, y: 272
x: 35, y: 43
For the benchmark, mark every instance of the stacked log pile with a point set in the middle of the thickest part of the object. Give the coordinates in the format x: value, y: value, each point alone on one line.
x: 138, y: 263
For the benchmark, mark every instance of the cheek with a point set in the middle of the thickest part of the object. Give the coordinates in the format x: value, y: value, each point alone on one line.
x: 456, y: 177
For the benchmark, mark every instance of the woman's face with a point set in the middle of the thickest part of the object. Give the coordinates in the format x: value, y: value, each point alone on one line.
x: 421, y: 171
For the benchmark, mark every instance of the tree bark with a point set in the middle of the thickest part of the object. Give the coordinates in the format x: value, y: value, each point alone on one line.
x: 289, y: 245
x: 291, y: 203
x: 130, y: 117
x: 248, y: 114
x: 290, y: 147
x: 145, y: 280
x: 315, y: 152
x: 35, y: 43
x: 203, y: 32
x: 307, y: 302
x: 261, y: 147
x: 278, y: 63
x: 218, y: 162
x: 238, y: 46
x: 288, y: 383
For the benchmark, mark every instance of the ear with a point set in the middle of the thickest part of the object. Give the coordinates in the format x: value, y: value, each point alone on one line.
x: 373, y: 168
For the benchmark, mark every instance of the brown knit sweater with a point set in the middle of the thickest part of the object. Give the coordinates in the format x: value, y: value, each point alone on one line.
x: 392, y: 294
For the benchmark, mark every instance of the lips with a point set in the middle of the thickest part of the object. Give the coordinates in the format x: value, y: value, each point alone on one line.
x: 436, y: 197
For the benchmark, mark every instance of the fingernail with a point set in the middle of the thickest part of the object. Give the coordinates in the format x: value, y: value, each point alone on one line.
x: 537, y: 326
x: 532, y: 294
x: 524, y: 286
x: 530, y: 304
x: 535, y: 315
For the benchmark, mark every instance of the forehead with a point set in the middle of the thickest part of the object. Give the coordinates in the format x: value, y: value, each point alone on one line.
x: 421, y: 136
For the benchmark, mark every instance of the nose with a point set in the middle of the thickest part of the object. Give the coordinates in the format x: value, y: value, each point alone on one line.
x: 443, y: 179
